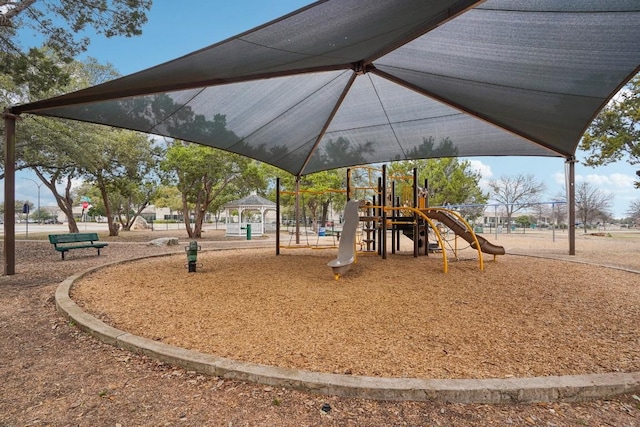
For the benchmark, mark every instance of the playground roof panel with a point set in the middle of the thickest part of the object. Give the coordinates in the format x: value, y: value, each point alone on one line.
x: 347, y: 82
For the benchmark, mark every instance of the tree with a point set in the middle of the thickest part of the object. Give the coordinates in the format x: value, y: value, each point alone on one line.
x: 592, y: 204
x: 634, y: 212
x: 615, y: 132
x: 60, y: 25
x: 203, y: 175
x: 41, y: 138
x: 122, y: 165
x: 525, y: 221
x: 168, y: 196
x: 516, y: 193
x: 450, y: 181
x: 55, y: 155
x: 320, y: 196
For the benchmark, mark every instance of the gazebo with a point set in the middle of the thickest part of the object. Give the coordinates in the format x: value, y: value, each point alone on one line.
x: 250, y: 212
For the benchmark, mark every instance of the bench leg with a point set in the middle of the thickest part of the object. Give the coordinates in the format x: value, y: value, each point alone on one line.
x: 98, y: 251
x: 62, y: 252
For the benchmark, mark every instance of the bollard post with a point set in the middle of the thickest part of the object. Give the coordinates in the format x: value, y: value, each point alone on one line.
x: 192, y: 255
x: 248, y: 231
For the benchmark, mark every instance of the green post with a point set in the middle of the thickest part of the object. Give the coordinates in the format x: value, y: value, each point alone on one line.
x: 192, y: 255
x: 248, y: 231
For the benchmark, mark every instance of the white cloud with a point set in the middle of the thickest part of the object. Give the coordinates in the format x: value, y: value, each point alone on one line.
x: 612, y: 182
x: 622, y: 181
x: 478, y: 166
x: 560, y: 179
x: 595, y: 179
x: 485, y: 172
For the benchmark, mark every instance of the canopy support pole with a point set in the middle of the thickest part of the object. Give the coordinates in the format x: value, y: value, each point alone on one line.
x: 297, y: 208
x: 571, y: 201
x: 277, y: 216
x: 9, y: 194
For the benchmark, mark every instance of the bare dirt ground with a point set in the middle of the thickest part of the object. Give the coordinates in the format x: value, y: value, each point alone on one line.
x: 52, y: 374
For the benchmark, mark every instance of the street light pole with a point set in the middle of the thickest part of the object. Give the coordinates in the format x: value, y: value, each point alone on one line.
x: 39, y: 184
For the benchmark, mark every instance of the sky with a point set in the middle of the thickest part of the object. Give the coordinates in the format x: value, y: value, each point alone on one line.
x: 172, y: 32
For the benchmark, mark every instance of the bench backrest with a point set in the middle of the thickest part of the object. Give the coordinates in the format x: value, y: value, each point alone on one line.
x: 73, y: 238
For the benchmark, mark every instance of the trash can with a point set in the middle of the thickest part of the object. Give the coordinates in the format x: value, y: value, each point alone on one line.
x: 248, y: 231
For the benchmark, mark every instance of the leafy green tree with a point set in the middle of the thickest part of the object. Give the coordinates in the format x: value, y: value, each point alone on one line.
x: 450, y: 181
x: 39, y: 138
x: 615, y: 132
x: 321, y: 194
x: 525, y: 221
x: 122, y: 165
x: 55, y: 155
x: 516, y: 193
x: 203, y: 175
x: 592, y: 204
x: 60, y: 25
x: 168, y: 196
x: 61, y: 152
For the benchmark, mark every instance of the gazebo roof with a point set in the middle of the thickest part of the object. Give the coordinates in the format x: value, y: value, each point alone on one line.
x: 250, y: 201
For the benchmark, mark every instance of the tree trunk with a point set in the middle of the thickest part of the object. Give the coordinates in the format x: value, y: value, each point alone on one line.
x: 126, y: 222
x: 325, y: 212
x: 65, y: 202
x: 73, y: 226
x: 185, y: 217
x: 114, y: 227
x: 198, y: 223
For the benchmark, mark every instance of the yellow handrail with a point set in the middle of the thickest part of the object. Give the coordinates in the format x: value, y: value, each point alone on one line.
x: 466, y: 224
x: 445, y: 267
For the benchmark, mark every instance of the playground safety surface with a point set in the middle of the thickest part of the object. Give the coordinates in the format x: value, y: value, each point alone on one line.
x: 395, y: 318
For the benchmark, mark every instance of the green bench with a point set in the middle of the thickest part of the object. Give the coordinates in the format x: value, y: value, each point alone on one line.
x: 65, y: 242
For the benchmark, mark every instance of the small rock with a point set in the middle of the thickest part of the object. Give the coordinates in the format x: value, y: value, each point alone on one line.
x: 164, y: 241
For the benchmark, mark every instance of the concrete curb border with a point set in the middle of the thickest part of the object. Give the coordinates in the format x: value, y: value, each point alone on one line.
x: 479, y: 391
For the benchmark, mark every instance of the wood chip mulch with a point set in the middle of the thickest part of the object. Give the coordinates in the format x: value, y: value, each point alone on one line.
x: 400, y: 317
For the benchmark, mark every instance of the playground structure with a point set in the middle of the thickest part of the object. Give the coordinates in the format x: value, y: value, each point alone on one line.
x: 413, y: 218
x: 381, y: 210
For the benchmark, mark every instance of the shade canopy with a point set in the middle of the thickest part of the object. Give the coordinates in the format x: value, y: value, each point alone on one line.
x: 346, y: 82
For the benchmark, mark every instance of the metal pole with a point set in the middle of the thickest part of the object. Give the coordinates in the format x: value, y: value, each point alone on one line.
x: 553, y: 223
x: 383, y: 214
x: 416, y: 228
x: 9, y: 194
x: 297, y: 209
x: 495, y: 216
x: 277, y: 216
x: 571, y: 200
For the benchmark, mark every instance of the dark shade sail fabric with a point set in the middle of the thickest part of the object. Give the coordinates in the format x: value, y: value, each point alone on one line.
x: 347, y: 82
